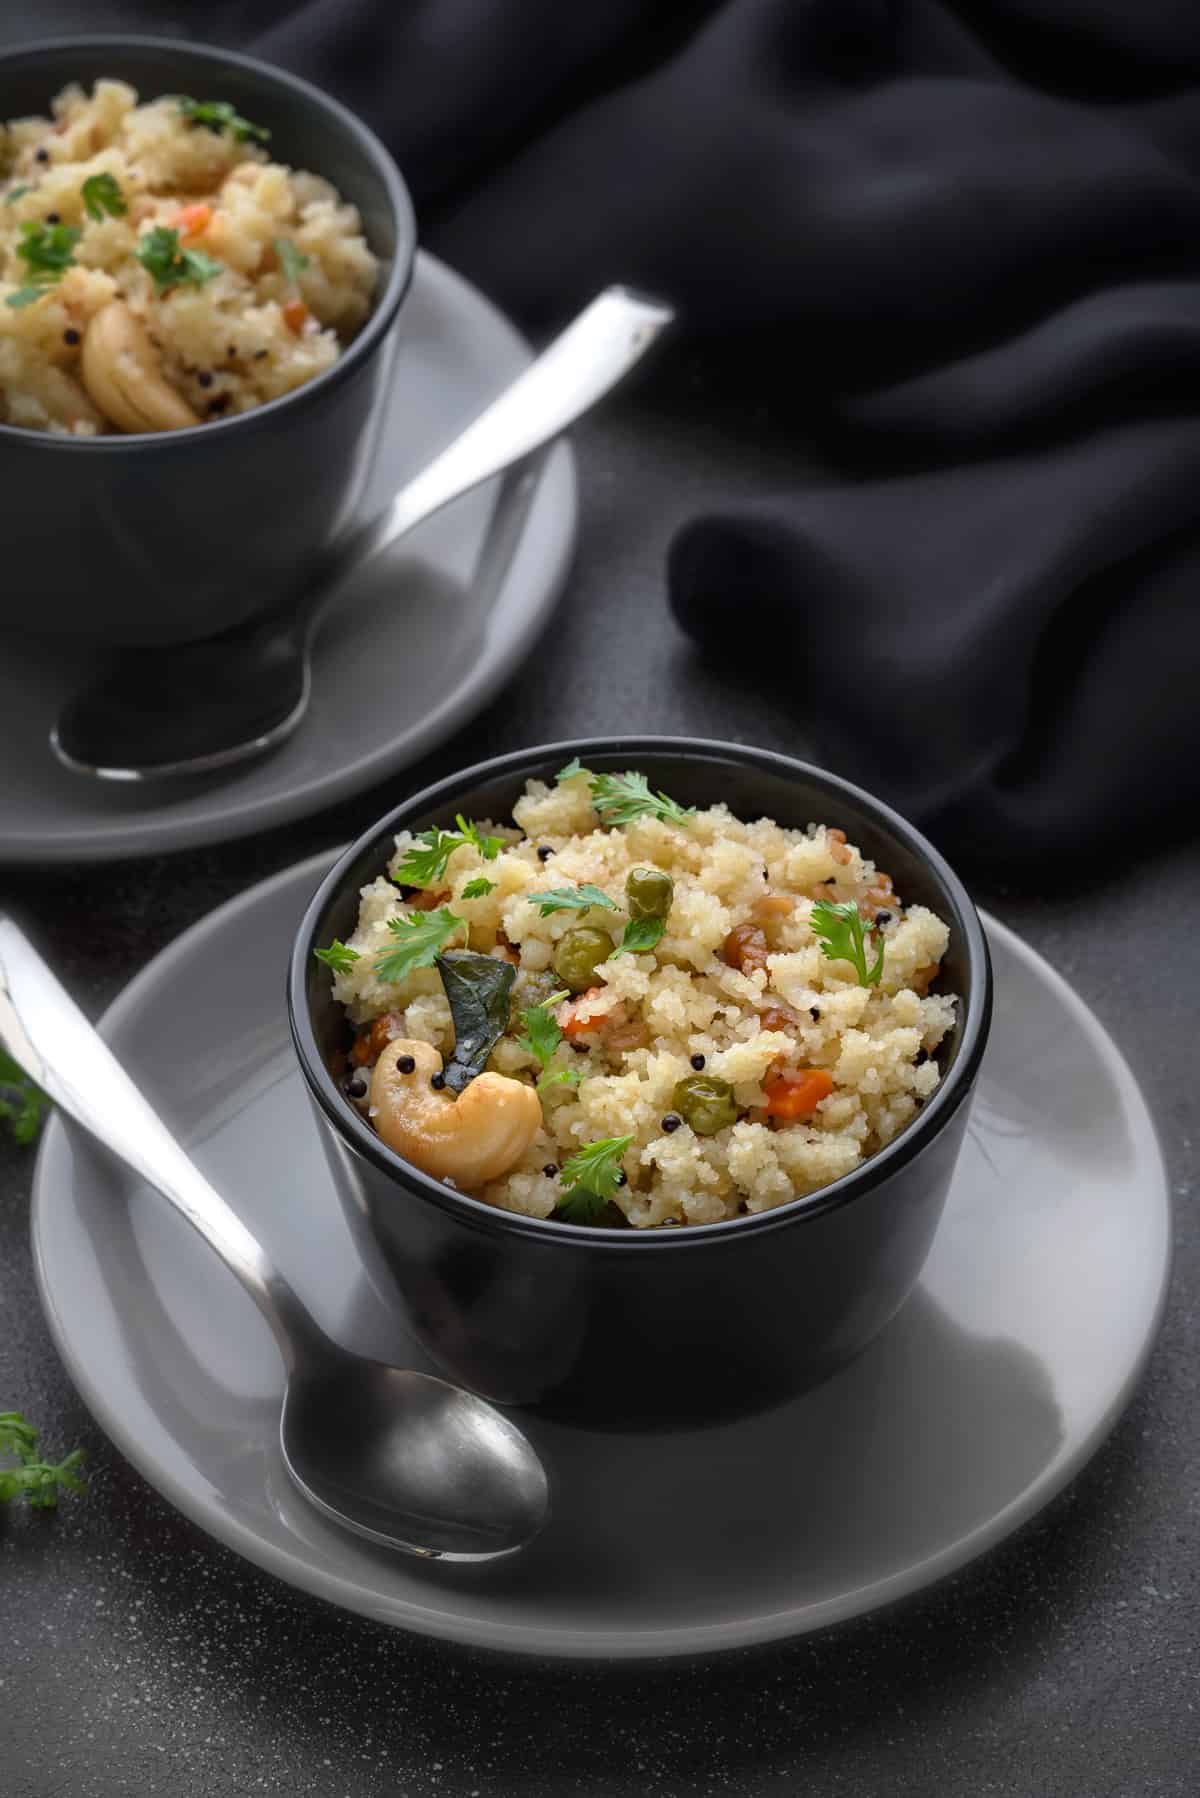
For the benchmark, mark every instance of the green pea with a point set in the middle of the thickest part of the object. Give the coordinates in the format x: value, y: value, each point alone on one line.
x: 579, y: 954
x: 649, y: 893
x: 705, y: 1103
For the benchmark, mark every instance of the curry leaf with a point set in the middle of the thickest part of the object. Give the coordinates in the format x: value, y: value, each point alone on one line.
x: 478, y: 988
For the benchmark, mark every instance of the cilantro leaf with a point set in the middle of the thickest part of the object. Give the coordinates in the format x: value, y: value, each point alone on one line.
x: 488, y: 847
x: 220, y: 115
x: 640, y: 935
x: 38, y: 1481
x: 573, y: 768
x: 22, y: 1102
x: 478, y: 889
x: 840, y: 928
x: 160, y: 255
x: 542, y: 1032
x: 424, y: 866
x: 17, y: 1435
x: 571, y: 899
x: 590, y: 1178
x: 560, y: 1077
x: 102, y: 194
x: 291, y: 261
x: 339, y: 956
x: 47, y: 252
x: 15, y: 193
x: 622, y: 798
x: 418, y: 940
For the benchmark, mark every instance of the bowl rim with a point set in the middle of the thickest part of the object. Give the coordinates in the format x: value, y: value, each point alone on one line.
x: 383, y: 313
x: 950, y: 1094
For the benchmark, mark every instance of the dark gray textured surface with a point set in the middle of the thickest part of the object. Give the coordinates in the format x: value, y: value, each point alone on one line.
x: 137, y: 1658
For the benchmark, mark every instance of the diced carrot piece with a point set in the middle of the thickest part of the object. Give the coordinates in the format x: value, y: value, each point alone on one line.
x: 796, y: 1092
x: 570, y: 1022
x: 837, y: 846
x: 190, y: 221
x: 295, y: 316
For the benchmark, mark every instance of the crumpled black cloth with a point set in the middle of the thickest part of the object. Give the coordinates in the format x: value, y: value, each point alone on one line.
x: 966, y: 234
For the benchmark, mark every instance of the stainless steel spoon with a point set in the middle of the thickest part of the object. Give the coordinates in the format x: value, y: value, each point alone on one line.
x: 406, y: 1459
x: 202, y: 707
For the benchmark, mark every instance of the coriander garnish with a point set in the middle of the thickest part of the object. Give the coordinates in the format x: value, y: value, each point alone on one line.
x: 339, y: 956
x: 425, y: 866
x: 573, y: 768
x: 22, y: 1102
x: 417, y: 942
x: 542, y: 1037
x: 843, y: 938
x: 478, y: 888
x: 488, y: 847
x: 641, y: 935
x: 160, y: 255
x: 15, y: 193
x: 623, y: 798
x: 581, y: 898
x: 38, y: 1482
x: 590, y: 1178
x: 291, y: 261
x: 220, y: 115
x: 101, y: 195
x: 47, y: 252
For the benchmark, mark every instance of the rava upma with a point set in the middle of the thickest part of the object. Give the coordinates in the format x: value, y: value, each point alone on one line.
x: 158, y: 270
x: 628, y: 1012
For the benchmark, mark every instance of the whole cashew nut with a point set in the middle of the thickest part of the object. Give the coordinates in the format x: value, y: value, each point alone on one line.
x: 122, y: 373
x: 471, y: 1139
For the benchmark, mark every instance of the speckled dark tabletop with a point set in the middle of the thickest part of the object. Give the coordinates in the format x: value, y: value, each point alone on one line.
x: 137, y: 1657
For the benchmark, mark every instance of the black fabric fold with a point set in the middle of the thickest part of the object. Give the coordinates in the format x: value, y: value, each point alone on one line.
x: 969, y: 232
x: 1008, y: 651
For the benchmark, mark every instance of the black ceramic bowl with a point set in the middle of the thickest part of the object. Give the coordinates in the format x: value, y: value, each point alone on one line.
x: 176, y: 536
x: 659, y: 1325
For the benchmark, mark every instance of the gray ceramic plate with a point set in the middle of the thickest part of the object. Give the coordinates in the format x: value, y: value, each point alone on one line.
x: 404, y: 659
x: 995, y: 1384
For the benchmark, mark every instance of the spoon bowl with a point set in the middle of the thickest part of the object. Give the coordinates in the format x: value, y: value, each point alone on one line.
x: 403, y: 1458
x: 377, y: 1448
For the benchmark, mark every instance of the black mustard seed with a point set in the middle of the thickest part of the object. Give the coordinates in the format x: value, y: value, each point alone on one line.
x: 406, y: 1063
x: 437, y: 1082
x: 697, y: 1062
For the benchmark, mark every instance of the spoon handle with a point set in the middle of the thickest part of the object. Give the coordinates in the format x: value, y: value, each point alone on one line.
x: 579, y: 367
x: 48, y: 1036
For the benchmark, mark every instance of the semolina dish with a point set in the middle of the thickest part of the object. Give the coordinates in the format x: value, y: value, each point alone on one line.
x: 158, y: 269
x: 628, y: 1012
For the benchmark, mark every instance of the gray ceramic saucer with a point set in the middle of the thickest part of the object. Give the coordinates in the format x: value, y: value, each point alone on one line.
x: 408, y: 654
x: 994, y: 1385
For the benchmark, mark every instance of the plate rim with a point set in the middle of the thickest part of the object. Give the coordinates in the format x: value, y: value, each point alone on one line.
x: 120, y: 838
x: 554, y: 1643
